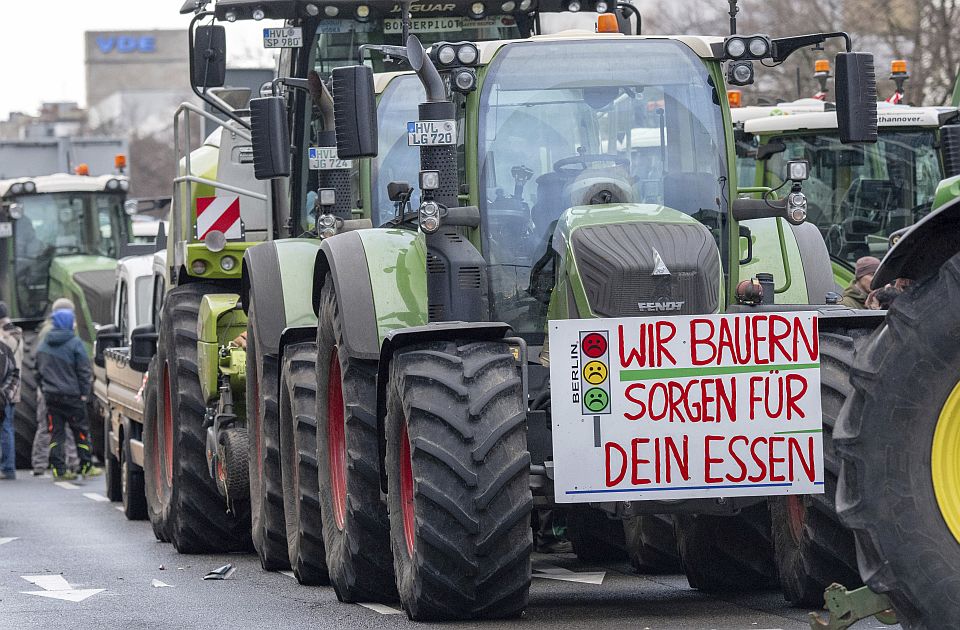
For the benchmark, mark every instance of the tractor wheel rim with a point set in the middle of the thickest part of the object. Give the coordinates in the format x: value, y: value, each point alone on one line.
x: 336, y: 442
x: 406, y: 491
x: 945, y: 462
x: 796, y: 516
x: 167, y: 426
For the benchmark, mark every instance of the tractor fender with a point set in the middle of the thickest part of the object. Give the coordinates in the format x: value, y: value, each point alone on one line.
x: 403, y: 337
x: 393, y: 297
x: 920, y: 252
x: 273, y: 273
x: 815, y: 260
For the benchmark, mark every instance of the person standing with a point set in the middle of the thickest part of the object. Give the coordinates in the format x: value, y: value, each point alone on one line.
x: 40, y: 455
x: 11, y: 358
x: 855, y: 295
x: 64, y: 375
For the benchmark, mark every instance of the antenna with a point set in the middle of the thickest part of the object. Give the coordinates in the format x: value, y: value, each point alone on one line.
x: 734, y: 9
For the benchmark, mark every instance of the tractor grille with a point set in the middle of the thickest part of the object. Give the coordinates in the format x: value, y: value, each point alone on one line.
x: 617, y: 264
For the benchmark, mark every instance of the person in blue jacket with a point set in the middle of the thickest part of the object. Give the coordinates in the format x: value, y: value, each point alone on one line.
x: 64, y: 374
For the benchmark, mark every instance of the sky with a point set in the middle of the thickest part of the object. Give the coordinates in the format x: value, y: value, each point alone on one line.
x: 42, y: 44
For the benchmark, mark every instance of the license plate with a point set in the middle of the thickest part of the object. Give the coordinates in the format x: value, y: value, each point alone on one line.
x: 289, y: 37
x: 431, y: 133
x: 325, y: 159
x: 424, y: 25
x: 6, y: 229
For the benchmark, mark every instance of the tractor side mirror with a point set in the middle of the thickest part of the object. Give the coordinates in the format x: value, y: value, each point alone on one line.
x: 950, y: 150
x: 107, y: 337
x: 270, y: 136
x: 209, y: 57
x: 143, y: 345
x: 856, y: 86
x: 355, y: 110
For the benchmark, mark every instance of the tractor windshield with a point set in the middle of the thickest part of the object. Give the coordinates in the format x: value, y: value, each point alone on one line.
x: 62, y: 224
x: 396, y: 161
x: 859, y: 194
x: 640, y: 117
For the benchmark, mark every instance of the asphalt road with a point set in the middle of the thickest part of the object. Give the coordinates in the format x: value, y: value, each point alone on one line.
x: 78, y: 543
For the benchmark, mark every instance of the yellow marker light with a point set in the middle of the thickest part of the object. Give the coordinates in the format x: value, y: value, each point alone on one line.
x: 607, y: 23
x: 898, y: 66
x: 821, y: 65
x: 734, y: 98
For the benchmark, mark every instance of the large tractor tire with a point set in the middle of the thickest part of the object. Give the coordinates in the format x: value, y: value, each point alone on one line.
x: 356, y: 531
x: 652, y: 544
x: 263, y: 435
x: 25, y: 413
x: 458, y: 472
x: 899, y: 440
x: 298, y: 448
x: 813, y: 549
x: 727, y: 553
x: 596, y: 537
x: 156, y: 487
x: 198, y: 519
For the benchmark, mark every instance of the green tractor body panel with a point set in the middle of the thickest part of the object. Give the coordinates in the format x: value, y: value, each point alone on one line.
x: 775, y: 251
x: 296, y: 258
x: 220, y: 321
x: 88, y: 281
x: 947, y: 191
x: 842, y: 275
x: 397, y: 264
x: 214, y: 262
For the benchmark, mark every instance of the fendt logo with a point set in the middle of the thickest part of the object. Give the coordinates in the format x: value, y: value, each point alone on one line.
x: 127, y: 43
x: 655, y: 307
x: 432, y: 7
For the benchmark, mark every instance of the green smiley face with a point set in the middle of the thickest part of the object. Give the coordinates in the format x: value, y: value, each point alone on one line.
x: 596, y: 399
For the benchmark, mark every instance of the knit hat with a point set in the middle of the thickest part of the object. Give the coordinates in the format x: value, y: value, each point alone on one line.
x: 62, y: 319
x: 866, y: 266
x: 4, y: 310
x: 62, y: 303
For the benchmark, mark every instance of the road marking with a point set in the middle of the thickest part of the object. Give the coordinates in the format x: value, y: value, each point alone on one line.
x: 380, y: 608
x: 4, y: 541
x: 118, y: 508
x: 66, y: 485
x: 57, y: 587
x: 289, y: 574
x: 158, y: 584
x: 549, y: 571
x: 93, y: 496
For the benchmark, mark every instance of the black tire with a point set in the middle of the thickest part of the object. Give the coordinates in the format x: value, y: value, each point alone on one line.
x: 459, y: 481
x: 25, y: 412
x: 98, y: 435
x: 813, y: 549
x: 652, y: 544
x: 727, y: 553
x: 903, y: 377
x: 198, y: 519
x: 131, y: 476
x: 595, y: 537
x: 356, y: 531
x: 298, y: 448
x: 263, y: 435
x: 111, y: 465
x: 156, y: 489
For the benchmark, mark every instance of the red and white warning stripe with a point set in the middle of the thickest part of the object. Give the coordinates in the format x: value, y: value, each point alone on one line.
x: 218, y: 213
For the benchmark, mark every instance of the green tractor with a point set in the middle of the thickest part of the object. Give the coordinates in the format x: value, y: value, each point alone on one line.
x: 60, y: 236
x: 539, y: 202
x: 213, y: 443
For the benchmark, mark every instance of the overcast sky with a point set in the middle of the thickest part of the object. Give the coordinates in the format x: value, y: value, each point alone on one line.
x: 42, y: 44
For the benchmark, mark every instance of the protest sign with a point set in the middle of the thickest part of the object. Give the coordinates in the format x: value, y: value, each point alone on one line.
x: 686, y: 407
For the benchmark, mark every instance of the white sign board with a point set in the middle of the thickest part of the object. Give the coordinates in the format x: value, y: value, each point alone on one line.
x: 325, y: 159
x: 686, y: 407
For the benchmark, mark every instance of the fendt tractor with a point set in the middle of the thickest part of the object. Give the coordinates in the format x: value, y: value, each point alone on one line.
x: 435, y: 433
x: 212, y: 444
x: 60, y: 236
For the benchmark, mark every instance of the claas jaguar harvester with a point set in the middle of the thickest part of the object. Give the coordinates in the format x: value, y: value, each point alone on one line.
x: 540, y: 202
x: 214, y: 455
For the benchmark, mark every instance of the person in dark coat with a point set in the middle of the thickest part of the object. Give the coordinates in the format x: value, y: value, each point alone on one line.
x: 11, y: 356
x: 65, y: 377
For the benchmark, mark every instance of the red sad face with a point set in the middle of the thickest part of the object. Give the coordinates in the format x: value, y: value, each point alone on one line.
x: 594, y: 345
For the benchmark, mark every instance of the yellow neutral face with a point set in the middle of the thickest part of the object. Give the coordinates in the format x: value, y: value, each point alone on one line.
x: 595, y: 372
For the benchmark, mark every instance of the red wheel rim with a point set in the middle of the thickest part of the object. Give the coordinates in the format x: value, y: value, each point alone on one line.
x: 167, y: 425
x: 336, y: 442
x: 796, y: 516
x: 406, y: 490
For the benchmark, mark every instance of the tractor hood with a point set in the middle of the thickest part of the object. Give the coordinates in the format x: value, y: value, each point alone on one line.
x: 640, y: 260
x: 89, y: 282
